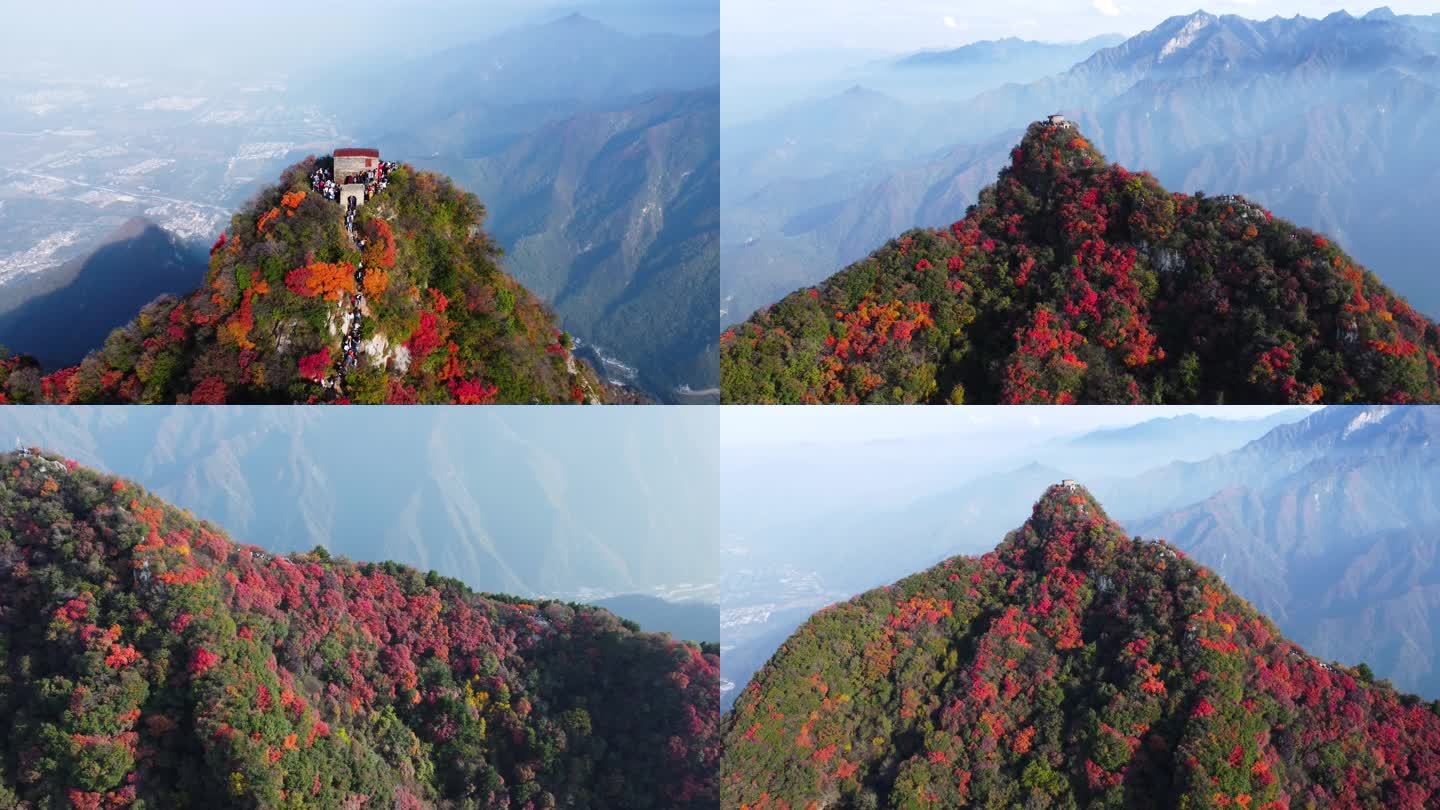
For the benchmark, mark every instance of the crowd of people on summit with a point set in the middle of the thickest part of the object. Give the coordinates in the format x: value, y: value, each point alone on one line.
x: 322, y: 180
x: 375, y: 179
x: 323, y: 183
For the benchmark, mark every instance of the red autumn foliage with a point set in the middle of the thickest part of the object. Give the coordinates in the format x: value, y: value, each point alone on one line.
x: 210, y: 391
x: 202, y: 661
x: 61, y: 387
x: 315, y: 367
x: 473, y: 392
x: 438, y: 300
x: 121, y: 656
x: 428, y: 336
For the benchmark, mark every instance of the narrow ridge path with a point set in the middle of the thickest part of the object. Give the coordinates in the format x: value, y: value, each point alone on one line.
x: 350, y: 345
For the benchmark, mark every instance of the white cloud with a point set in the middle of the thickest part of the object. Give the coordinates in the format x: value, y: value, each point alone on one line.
x: 1106, y: 7
x: 951, y: 22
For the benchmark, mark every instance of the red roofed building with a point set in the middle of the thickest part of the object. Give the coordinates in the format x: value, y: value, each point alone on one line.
x: 352, y: 161
x: 355, y: 161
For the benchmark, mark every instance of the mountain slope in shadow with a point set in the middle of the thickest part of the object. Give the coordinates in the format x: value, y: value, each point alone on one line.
x: 133, y: 266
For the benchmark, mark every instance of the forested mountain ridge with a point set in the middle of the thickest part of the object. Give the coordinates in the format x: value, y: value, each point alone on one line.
x: 432, y: 319
x: 1075, y: 280
x: 149, y: 660
x: 1071, y: 666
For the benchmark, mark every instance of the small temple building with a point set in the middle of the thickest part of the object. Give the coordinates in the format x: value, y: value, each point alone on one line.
x: 350, y: 163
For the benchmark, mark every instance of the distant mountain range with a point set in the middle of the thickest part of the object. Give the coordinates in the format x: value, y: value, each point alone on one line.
x: 597, y: 153
x: 1072, y: 665
x: 99, y: 292
x: 612, y: 217
x: 1009, y: 49
x: 1076, y: 280
x: 1208, y: 432
x: 1327, y: 122
x: 692, y: 621
x: 456, y: 101
x: 1331, y: 526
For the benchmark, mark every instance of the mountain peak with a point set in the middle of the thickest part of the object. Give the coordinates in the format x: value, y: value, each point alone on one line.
x: 1067, y: 526
x: 576, y: 18
x: 1104, y: 669
x: 1085, y: 278
x: 1066, y: 505
x: 1051, y: 148
x: 304, y: 303
x: 579, y: 23
x: 129, y: 229
x: 1194, y: 20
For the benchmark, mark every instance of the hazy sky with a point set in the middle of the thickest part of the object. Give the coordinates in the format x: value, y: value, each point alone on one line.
x: 778, y: 427
x: 782, y: 465
x: 759, y: 26
x: 278, y: 34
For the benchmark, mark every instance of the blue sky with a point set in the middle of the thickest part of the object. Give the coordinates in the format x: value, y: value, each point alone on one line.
x: 768, y: 26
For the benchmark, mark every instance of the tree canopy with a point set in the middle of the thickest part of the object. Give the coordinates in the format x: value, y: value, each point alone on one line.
x: 146, y: 660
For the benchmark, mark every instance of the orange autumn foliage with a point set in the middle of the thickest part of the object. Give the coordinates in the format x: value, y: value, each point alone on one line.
x: 321, y: 279
x: 291, y: 201
x: 376, y: 282
x: 380, y: 253
x: 266, y: 218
